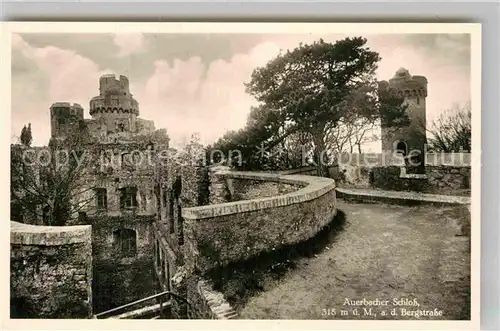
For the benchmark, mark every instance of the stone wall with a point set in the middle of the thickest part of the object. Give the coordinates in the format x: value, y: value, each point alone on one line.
x: 216, y: 235
x: 121, y: 278
x: 189, y: 166
x: 448, y: 171
x: 355, y: 169
x: 389, y: 178
x: 51, y: 271
x: 244, y: 189
x: 295, y: 208
x: 207, y: 303
x: 168, y: 256
x: 117, y: 284
x: 445, y: 173
x: 444, y: 178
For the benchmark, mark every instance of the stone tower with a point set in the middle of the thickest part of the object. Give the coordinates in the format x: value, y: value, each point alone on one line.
x: 412, y: 137
x: 114, y: 109
x: 64, y: 118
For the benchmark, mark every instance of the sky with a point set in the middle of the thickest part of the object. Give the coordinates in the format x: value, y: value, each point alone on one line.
x: 191, y: 83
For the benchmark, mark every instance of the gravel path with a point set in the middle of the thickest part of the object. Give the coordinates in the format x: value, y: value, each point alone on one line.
x: 384, y: 252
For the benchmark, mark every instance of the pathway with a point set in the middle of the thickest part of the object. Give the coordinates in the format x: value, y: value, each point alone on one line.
x: 380, y: 195
x: 383, y: 252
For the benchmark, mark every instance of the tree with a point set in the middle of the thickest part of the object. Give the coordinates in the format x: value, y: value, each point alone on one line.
x: 452, y: 131
x: 26, y: 136
x: 350, y: 135
x: 50, y: 185
x: 312, y: 88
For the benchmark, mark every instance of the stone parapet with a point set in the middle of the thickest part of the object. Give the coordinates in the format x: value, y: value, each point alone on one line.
x: 25, y: 234
x: 50, y: 271
x: 312, y: 188
x: 216, y: 235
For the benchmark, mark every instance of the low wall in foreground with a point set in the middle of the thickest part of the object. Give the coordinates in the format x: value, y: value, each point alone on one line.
x: 216, y: 235
x: 50, y: 271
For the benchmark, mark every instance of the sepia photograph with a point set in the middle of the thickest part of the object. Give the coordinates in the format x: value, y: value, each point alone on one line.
x: 245, y: 173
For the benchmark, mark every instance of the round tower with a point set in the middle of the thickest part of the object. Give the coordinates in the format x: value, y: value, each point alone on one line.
x: 115, y: 107
x: 410, y: 138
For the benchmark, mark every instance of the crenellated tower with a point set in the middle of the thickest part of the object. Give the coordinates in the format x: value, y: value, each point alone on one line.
x: 115, y: 109
x: 64, y: 118
x: 411, y: 137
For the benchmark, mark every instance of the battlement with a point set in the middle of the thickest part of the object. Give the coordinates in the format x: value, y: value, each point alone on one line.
x: 114, y: 97
x: 64, y: 117
x: 406, y: 84
x: 109, y: 84
x: 59, y: 109
x: 67, y: 105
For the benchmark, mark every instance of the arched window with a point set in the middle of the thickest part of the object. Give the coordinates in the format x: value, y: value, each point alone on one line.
x: 124, y: 240
x: 401, y: 147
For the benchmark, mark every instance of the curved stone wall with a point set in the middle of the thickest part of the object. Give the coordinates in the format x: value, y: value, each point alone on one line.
x: 50, y: 271
x: 216, y: 235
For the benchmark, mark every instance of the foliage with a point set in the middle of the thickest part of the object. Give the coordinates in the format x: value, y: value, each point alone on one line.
x: 304, y: 95
x: 46, y: 183
x: 452, y: 131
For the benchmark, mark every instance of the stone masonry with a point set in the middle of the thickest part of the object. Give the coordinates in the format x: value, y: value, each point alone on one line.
x: 51, y: 271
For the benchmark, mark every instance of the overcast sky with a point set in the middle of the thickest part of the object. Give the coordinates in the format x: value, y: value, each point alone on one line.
x: 194, y: 83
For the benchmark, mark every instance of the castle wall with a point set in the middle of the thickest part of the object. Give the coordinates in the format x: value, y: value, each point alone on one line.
x: 121, y: 277
x: 219, y: 234
x: 448, y: 171
x: 51, y: 271
x: 144, y: 126
x: 64, y: 118
x: 445, y: 178
x: 445, y: 173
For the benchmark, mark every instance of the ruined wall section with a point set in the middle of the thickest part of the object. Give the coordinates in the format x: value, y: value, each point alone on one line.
x: 64, y: 118
x: 122, y: 274
x: 51, y: 271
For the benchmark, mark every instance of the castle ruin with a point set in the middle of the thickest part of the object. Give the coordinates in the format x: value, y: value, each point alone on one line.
x: 118, y: 186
